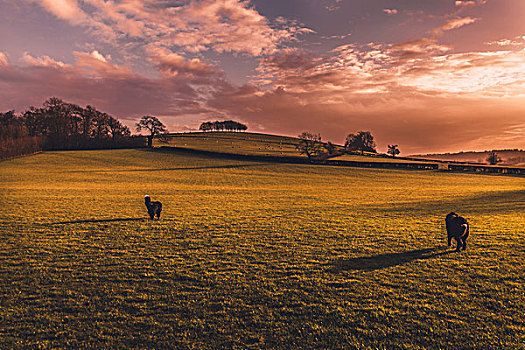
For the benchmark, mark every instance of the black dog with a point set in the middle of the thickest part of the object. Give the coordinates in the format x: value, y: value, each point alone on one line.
x: 154, y: 208
x: 457, y: 228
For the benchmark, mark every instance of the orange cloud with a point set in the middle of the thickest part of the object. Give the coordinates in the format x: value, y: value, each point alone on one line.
x: 174, y: 64
x: 3, y: 59
x: 465, y: 3
x: 42, y: 61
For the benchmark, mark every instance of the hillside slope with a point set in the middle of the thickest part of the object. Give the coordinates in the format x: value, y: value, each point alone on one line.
x: 245, y: 143
x: 509, y: 157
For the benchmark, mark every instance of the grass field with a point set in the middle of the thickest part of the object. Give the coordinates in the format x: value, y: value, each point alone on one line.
x: 257, y: 144
x: 235, y: 142
x: 254, y: 255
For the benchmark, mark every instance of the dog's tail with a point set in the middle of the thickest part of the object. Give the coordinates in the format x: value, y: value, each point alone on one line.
x: 467, y: 230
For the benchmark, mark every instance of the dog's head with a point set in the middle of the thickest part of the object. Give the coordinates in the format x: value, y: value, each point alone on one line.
x: 147, y: 199
x: 450, y: 215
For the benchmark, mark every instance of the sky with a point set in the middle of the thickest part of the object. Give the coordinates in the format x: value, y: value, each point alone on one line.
x: 428, y: 75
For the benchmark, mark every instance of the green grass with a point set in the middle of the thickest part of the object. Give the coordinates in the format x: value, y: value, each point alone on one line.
x: 254, y: 255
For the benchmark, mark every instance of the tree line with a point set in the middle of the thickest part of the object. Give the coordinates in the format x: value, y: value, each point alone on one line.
x: 14, y: 137
x: 61, y: 125
x: 228, y: 125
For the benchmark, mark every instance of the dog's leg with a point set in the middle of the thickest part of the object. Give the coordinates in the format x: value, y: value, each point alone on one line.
x: 458, y: 246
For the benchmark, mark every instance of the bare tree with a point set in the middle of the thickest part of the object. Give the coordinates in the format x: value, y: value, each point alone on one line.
x: 309, y: 144
x: 153, y: 125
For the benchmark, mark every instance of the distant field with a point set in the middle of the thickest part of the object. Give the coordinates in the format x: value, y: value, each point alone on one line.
x: 254, y: 255
x: 235, y: 142
x: 255, y: 144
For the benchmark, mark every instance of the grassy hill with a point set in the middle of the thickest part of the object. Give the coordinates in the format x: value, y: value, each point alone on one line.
x: 256, y: 144
x: 509, y: 157
x: 254, y: 255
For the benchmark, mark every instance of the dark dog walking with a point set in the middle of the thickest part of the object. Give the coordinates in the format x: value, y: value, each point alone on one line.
x: 154, y: 208
x: 457, y: 228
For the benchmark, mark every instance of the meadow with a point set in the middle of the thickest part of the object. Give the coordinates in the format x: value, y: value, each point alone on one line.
x: 254, y: 255
x: 255, y: 144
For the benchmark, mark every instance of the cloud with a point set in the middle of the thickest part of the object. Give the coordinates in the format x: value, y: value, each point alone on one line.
x: 68, y: 10
x: 94, y: 79
x: 415, y: 102
x: 466, y: 3
x: 94, y: 64
x: 417, y: 48
x: 332, y: 8
x: 42, y: 61
x: 174, y: 64
x: 3, y: 59
x: 417, y: 94
x: 517, y: 41
x: 195, y: 26
x: 458, y: 23
x: 452, y: 24
x: 97, y: 55
x: 390, y: 11
x: 420, y: 94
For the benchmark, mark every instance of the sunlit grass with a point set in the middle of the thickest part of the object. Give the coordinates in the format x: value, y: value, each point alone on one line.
x: 235, y: 143
x: 254, y: 254
x: 254, y: 144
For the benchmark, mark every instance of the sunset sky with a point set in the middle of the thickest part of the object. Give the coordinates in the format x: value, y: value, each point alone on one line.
x: 428, y: 75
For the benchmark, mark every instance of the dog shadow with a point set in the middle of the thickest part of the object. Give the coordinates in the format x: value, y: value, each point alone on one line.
x: 383, y: 261
x: 96, y: 221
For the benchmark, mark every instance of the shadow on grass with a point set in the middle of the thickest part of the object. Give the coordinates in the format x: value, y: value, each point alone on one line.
x: 382, y: 261
x: 96, y: 221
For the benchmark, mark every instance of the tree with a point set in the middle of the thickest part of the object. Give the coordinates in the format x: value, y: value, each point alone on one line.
x: 228, y: 125
x: 206, y: 126
x: 362, y: 141
x: 330, y: 148
x: 153, y: 125
x: 309, y: 144
x: 393, y: 150
x: 493, y: 158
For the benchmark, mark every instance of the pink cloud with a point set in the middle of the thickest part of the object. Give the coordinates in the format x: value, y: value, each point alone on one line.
x: 64, y: 9
x: 42, y: 61
x: 418, y: 94
x: 222, y: 26
x: 174, y: 64
x: 390, y: 11
x: 96, y: 81
x: 417, y: 103
x: 458, y: 23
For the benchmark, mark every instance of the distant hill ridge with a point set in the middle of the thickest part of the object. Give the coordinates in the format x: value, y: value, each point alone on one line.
x: 512, y: 157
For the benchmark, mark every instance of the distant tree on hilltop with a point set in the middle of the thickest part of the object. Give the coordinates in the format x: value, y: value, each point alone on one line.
x: 153, y: 125
x: 493, y: 158
x: 228, y: 125
x: 393, y: 150
x: 309, y: 144
x: 206, y: 126
x: 362, y: 141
